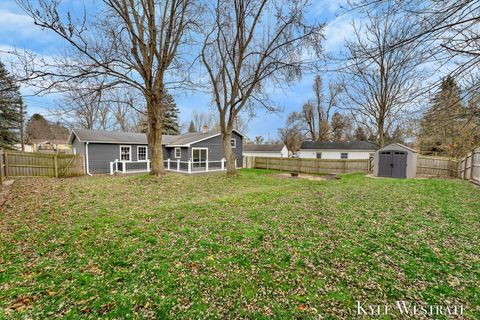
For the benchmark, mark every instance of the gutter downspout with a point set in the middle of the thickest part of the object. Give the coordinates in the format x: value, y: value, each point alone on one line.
x: 86, y: 159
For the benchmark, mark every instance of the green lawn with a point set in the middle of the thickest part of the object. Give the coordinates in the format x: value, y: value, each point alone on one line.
x: 251, y: 246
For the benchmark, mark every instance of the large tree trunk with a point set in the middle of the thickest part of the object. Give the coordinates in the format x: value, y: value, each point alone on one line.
x: 229, y: 154
x: 381, y: 134
x: 155, y: 126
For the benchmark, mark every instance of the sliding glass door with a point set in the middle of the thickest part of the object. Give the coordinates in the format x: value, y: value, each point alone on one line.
x: 199, y: 158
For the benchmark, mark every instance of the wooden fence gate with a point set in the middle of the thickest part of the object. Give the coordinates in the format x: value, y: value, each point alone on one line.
x: 28, y: 164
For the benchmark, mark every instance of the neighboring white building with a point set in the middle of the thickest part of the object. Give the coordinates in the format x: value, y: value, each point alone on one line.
x: 28, y: 147
x: 265, y: 150
x: 337, y: 150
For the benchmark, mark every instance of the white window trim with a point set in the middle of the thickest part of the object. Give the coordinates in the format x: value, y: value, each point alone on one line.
x: 201, y: 149
x: 146, y: 153
x: 129, y: 153
x: 234, y: 143
x: 175, y: 153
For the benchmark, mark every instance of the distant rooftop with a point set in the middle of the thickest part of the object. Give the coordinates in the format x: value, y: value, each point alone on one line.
x: 339, y: 145
x: 250, y: 147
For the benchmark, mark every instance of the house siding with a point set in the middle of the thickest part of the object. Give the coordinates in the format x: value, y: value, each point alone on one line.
x: 215, y: 148
x: 101, y: 154
x: 79, y: 147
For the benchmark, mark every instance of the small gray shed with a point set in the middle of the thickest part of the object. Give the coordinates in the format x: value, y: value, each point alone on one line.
x: 395, y: 161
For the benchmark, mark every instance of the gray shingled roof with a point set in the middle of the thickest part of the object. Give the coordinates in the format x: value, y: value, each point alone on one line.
x: 339, y: 145
x: 262, y: 147
x: 85, y: 135
x: 188, y: 138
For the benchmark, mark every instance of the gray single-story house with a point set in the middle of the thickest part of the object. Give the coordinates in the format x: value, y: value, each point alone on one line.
x: 110, y: 152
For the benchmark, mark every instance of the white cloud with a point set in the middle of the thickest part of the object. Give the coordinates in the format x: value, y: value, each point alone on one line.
x: 15, y: 25
x: 333, y: 6
x: 337, y: 31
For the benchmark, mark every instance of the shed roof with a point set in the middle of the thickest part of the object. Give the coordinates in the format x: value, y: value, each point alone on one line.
x: 400, y: 146
x: 339, y: 145
x: 98, y: 136
x: 263, y: 147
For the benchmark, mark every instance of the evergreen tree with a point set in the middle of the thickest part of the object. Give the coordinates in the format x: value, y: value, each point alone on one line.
x: 191, y: 127
x: 10, y: 109
x: 170, y: 125
x: 445, y: 129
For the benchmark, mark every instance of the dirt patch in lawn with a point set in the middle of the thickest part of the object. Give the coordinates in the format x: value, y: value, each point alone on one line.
x: 304, y: 176
x: 4, y: 190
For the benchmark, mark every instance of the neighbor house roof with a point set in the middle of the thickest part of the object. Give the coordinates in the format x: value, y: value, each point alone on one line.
x: 262, y: 147
x: 97, y: 136
x: 339, y: 145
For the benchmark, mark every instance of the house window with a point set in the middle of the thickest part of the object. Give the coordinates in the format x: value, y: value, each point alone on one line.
x: 178, y: 153
x: 233, y: 143
x: 344, y: 155
x: 125, y: 153
x: 142, y: 154
x: 319, y: 155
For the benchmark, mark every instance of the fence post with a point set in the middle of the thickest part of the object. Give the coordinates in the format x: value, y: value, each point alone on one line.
x: 5, y: 162
x: 1, y: 168
x: 223, y: 165
x: 124, y: 167
x: 148, y: 165
x: 472, y: 164
x: 459, y: 168
x: 178, y: 165
x: 206, y: 165
x: 55, y: 160
x: 189, y: 166
x: 465, y: 168
x: 168, y: 164
x: 111, y: 168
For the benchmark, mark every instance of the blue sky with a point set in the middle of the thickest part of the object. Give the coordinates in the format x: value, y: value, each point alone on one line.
x: 17, y: 30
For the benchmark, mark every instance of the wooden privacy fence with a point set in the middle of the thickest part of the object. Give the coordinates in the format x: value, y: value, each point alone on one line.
x: 312, y: 165
x: 426, y: 166
x: 437, y: 166
x: 27, y: 164
x: 469, y: 166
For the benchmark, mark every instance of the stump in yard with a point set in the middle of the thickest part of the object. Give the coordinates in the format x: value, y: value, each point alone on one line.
x: 294, y: 174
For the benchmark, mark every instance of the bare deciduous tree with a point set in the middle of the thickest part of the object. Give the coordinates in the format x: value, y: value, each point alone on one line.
x: 89, y: 106
x: 249, y: 45
x: 134, y: 44
x: 315, y: 115
x: 200, y: 119
x: 292, y: 138
x: 449, y: 36
x: 381, y: 82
